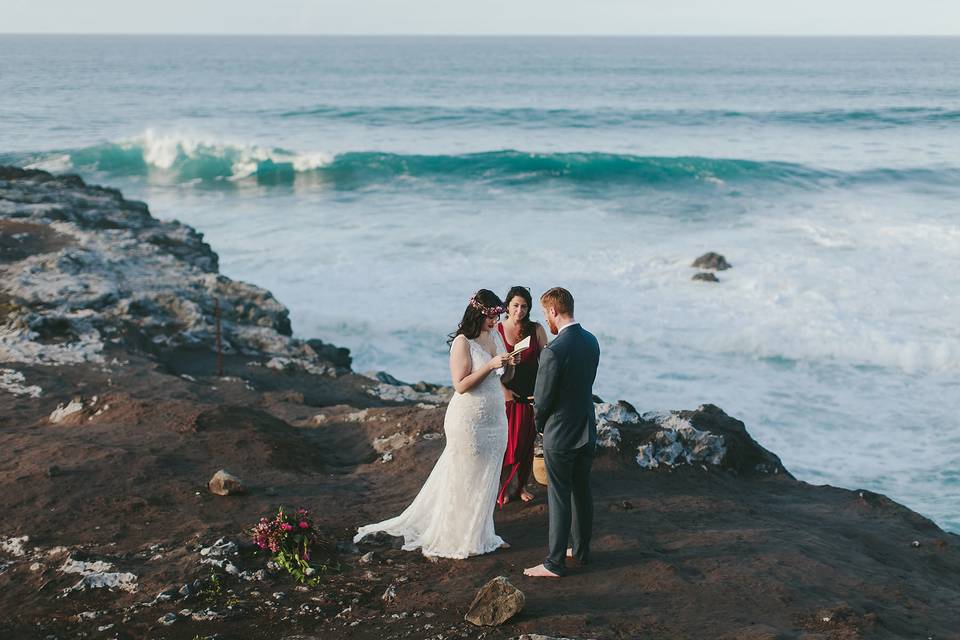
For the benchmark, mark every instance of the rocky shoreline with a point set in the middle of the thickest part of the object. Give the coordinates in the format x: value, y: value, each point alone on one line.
x: 114, y: 415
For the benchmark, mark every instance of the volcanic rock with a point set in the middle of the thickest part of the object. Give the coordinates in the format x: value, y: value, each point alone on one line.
x: 711, y: 260
x: 224, y: 483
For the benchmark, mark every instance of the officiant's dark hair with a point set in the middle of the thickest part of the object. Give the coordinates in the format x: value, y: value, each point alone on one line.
x: 526, y: 327
x: 473, y: 318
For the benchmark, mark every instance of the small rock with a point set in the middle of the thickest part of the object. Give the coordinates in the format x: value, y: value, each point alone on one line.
x: 389, y: 595
x: 185, y: 591
x: 346, y: 546
x: 64, y: 411
x: 711, y: 260
x: 705, y: 276
x: 167, y: 619
x: 367, y: 558
x: 223, y: 483
x: 495, y: 603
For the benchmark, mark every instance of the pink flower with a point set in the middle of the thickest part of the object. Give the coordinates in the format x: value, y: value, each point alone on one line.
x: 303, y: 524
x: 286, y: 526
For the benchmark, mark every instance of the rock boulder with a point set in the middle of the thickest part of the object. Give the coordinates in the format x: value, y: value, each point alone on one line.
x: 495, y: 603
x: 224, y: 483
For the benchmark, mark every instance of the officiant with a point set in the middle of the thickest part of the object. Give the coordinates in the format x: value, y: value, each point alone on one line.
x: 518, y: 395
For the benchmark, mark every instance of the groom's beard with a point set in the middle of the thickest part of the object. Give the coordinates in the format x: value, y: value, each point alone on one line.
x: 552, y: 325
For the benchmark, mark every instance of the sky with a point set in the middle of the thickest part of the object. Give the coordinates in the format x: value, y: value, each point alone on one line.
x: 485, y: 17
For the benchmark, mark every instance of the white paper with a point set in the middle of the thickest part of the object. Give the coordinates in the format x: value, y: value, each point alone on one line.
x: 521, y: 346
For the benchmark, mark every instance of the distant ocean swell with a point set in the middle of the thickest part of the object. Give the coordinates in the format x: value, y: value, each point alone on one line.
x: 183, y: 159
x: 533, y: 118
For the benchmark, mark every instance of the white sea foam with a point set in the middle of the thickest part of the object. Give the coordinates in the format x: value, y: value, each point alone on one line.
x: 165, y: 150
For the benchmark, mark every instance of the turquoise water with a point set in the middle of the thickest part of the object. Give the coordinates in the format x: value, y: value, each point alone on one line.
x: 374, y: 183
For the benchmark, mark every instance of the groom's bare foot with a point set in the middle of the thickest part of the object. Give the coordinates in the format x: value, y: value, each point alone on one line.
x: 539, y: 571
x: 526, y: 496
x: 570, y: 553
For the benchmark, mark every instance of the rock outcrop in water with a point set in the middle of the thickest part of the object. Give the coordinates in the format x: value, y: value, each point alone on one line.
x: 711, y: 260
x: 113, y: 419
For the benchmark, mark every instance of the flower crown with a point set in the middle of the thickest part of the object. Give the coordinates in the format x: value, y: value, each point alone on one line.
x: 487, y: 311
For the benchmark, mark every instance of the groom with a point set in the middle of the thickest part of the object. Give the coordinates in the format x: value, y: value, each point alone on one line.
x: 563, y: 402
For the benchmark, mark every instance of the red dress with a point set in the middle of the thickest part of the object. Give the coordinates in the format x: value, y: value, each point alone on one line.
x: 521, y: 431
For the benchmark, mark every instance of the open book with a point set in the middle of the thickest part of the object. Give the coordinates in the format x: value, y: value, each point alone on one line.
x: 521, y: 346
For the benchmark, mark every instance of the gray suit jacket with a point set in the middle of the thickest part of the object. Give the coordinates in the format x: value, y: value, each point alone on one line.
x: 563, y: 396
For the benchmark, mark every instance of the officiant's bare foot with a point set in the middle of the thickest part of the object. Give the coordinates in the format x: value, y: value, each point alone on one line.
x: 539, y: 571
x: 526, y: 496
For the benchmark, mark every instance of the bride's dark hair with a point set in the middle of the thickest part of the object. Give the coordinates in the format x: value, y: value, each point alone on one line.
x: 526, y: 327
x: 474, y: 316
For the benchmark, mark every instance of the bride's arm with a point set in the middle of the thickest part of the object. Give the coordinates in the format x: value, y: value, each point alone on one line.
x: 461, y: 373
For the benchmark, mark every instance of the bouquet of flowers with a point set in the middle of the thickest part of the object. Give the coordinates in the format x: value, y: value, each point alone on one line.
x: 290, y: 537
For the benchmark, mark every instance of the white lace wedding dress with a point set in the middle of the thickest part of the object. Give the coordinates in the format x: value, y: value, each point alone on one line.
x: 452, y: 516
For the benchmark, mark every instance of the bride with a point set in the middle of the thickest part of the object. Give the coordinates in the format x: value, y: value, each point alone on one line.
x: 452, y: 516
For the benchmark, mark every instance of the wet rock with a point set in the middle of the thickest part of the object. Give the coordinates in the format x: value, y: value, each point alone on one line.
x: 100, y: 265
x: 711, y: 260
x: 224, y: 483
x: 495, y: 603
x: 705, y: 276
x: 337, y: 356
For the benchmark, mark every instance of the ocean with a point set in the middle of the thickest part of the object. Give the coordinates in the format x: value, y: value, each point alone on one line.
x: 373, y: 184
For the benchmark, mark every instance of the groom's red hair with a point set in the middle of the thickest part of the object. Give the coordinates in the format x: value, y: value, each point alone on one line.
x: 558, y: 298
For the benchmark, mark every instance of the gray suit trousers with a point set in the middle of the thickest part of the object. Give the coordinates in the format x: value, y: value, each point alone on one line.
x: 571, y: 505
